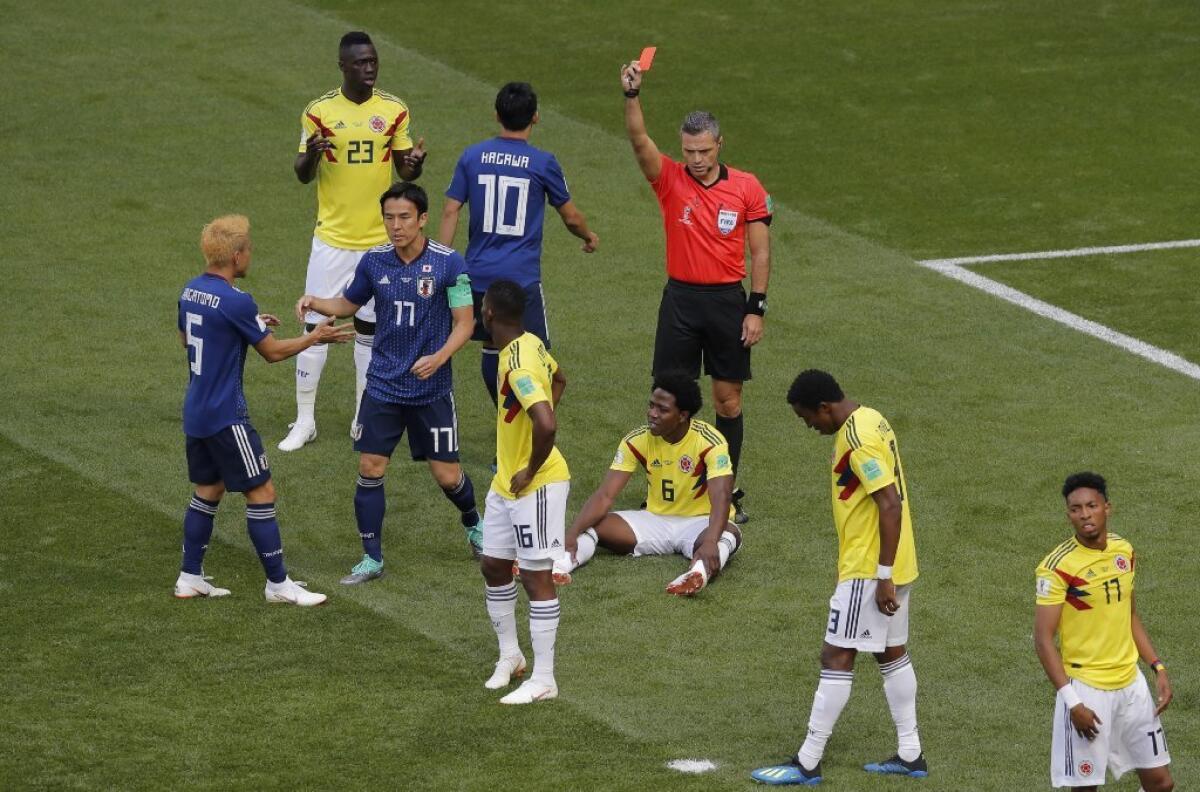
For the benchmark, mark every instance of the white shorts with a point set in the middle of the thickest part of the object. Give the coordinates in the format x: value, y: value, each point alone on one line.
x: 530, y: 528
x: 855, y: 621
x: 664, y: 534
x: 1130, y: 738
x: 329, y: 271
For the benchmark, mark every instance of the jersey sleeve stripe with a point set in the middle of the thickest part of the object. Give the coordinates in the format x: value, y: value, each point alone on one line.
x: 1058, y: 555
x: 852, y: 434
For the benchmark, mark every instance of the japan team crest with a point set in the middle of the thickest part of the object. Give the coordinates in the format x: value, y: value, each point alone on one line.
x: 726, y: 221
x: 686, y: 464
x: 378, y: 124
x: 425, y: 287
x: 1121, y: 563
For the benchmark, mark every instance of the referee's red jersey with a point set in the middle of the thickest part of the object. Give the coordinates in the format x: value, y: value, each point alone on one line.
x: 706, y: 226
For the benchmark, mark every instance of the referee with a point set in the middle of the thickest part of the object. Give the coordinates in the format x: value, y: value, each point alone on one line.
x: 710, y: 212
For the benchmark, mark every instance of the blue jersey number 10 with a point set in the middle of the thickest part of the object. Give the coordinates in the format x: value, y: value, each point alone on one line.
x: 496, y: 194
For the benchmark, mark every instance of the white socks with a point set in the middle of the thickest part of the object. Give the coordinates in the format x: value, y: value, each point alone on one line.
x: 900, y: 687
x: 727, y: 545
x: 362, y: 360
x: 502, y: 610
x: 543, y: 630
x: 833, y: 692
x: 584, y: 551
x: 309, y: 365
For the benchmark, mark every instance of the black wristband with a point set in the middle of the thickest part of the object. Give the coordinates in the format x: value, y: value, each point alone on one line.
x: 756, y: 304
x: 632, y: 93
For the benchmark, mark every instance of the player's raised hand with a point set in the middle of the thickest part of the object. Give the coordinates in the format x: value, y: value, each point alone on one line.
x: 592, y: 243
x: 1086, y: 722
x: 416, y: 155
x: 631, y: 76
x: 270, y: 320
x: 520, y: 481
x: 329, y: 333
x: 752, y: 330
x: 1164, y: 691
x: 885, y: 597
x: 316, y: 143
x: 425, y: 366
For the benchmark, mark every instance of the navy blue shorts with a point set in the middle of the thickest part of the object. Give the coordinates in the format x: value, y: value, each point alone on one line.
x: 432, y: 428
x: 233, y: 456
x: 535, y: 315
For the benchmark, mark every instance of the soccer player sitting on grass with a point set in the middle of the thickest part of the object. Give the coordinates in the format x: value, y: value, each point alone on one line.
x: 423, y: 302
x: 217, y: 321
x: 689, y: 481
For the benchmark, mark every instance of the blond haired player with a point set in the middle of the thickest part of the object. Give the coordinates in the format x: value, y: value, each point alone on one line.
x: 527, y: 504
x: 877, y: 563
x: 1104, y: 718
x: 350, y: 140
x: 689, y: 482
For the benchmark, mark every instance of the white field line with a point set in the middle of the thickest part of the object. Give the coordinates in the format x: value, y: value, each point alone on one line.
x: 1072, y: 253
x: 1007, y: 293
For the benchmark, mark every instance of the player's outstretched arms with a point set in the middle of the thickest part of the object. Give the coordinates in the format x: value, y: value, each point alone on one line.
x: 1141, y: 639
x: 307, y: 161
x: 274, y: 349
x: 644, y: 150
x: 1045, y: 624
x: 597, y: 506
x: 449, y: 225
x: 336, y: 307
x: 576, y: 223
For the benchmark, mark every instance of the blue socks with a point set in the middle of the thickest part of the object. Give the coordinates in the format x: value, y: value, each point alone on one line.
x: 197, y: 530
x: 264, y: 534
x: 370, y: 502
x: 462, y: 495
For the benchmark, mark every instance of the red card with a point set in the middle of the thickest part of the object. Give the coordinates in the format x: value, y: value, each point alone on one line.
x: 647, y: 58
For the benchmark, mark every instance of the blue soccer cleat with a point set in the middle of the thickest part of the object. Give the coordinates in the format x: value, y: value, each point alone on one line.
x: 897, y: 766
x: 792, y: 773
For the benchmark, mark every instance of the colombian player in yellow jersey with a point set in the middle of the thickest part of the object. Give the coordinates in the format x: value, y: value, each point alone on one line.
x: 1104, y: 718
x: 689, y: 483
x: 527, y: 505
x: 877, y: 563
x: 351, y: 139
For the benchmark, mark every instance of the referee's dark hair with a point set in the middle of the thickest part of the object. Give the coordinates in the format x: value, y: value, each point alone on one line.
x: 1085, y: 480
x: 353, y: 38
x: 516, y: 105
x: 813, y: 386
x: 507, y: 300
x: 409, y: 192
x: 685, y: 389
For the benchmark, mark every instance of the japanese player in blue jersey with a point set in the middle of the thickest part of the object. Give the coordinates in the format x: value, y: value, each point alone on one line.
x: 507, y: 183
x: 423, y: 316
x: 217, y: 321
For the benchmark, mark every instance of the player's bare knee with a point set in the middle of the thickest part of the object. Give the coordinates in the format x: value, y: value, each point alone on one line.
x: 372, y: 465
x: 889, y: 654
x: 447, y: 476
x: 1159, y: 781
x: 730, y: 528
x: 263, y: 493
x: 211, y: 492
x: 837, y: 658
x: 538, y: 580
x: 496, y: 571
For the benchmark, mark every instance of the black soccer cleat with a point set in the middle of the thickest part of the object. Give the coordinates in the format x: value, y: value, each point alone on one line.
x: 739, y: 513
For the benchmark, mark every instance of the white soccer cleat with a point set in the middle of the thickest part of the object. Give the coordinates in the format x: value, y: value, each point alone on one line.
x: 506, y: 669
x: 189, y: 586
x: 293, y: 593
x: 689, y: 582
x: 302, y: 432
x: 561, y: 572
x: 530, y: 692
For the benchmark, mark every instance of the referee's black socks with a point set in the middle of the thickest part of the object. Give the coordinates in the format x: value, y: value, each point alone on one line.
x: 731, y: 430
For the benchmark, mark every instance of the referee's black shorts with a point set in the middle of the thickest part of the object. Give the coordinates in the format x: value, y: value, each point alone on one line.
x: 702, y: 322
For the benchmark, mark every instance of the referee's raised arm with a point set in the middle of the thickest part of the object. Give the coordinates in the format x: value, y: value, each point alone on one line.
x: 648, y: 157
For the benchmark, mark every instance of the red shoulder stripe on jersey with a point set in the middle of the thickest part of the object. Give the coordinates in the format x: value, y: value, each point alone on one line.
x: 846, y: 478
x: 391, y: 133
x: 511, y: 404
x: 1075, y: 592
x: 325, y: 132
x: 701, y: 474
x: 636, y: 454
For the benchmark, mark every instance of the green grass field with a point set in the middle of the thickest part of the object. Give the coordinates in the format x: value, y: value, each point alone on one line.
x: 886, y: 134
